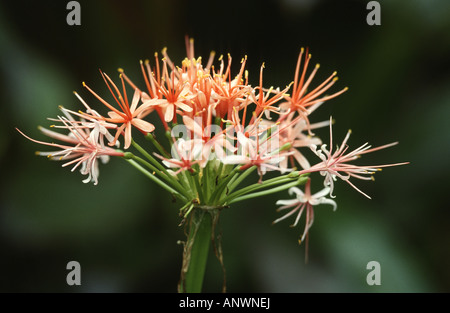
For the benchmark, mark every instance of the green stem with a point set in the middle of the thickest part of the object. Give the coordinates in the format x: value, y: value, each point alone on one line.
x: 157, y: 145
x: 222, y: 186
x: 167, y: 177
x: 196, y: 251
x: 299, y: 181
x: 242, y: 177
x: 148, y: 156
x: 156, y: 180
x: 158, y: 166
x: 199, y: 188
x: 189, y: 183
x: 205, y: 181
x: 267, y: 183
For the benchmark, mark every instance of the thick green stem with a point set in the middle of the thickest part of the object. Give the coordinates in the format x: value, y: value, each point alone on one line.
x: 196, y: 251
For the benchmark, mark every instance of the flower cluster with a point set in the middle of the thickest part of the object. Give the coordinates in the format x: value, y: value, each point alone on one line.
x: 219, y: 129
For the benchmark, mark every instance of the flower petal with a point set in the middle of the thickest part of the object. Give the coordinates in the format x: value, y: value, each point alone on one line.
x: 298, y: 192
x: 321, y: 193
x: 235, y: 159
x: 183, y: 106
x: 168, y: 115
x: 114, y: 115
x: 193, y: 126
x: 288, y: 202
x: 135, y: 101
x: 127, y: 135
x: 329, y: 201
x: 143, y: 125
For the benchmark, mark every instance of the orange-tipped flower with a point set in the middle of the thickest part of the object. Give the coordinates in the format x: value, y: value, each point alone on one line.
x: 301, y: 97
x: 128, y: 115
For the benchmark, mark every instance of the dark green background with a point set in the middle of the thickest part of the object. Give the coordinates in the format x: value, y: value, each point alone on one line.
x: 124, y: 231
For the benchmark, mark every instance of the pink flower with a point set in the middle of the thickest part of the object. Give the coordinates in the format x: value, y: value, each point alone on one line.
x: 304, y: 200
x: 336, y: 164
x: 183, y: 156
x: 79, y: 147
x: 210, y: 139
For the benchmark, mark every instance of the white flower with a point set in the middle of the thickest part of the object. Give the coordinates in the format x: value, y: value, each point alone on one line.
x: 304, y: 200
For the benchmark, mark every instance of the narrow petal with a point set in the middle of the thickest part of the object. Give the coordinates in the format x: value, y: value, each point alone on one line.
x: 56, y: 135
x: 135, y: 101
x: 127, y: 135
x: 287, y: 202
x: 298, y: 192
x: 155, y: 102
x: 114, y: 115
x: 168, y: 115
x: 301, y: 159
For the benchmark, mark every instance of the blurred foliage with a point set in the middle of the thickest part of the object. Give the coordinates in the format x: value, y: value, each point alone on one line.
x: 124, y: 231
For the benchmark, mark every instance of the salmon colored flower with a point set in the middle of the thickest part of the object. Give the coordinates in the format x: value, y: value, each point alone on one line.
x: 230, y: 93
x: 209, y: 138
x: 175, y: 94
x: 219, y: 129
x: 152, y: 81
x: 128, y: 115
x: 265, y: 103
x: 302, y: 97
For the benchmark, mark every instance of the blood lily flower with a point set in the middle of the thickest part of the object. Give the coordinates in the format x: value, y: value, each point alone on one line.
x: 129, y: 114
x: 335, y: 164
x: 304, y: 201
x: 217, y: 131
x: 265, y: 103
x: 291, y: 131
x: 230, y: 93
x: 301, y: 98
x: 186, y: 155
x: 79, y: 147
